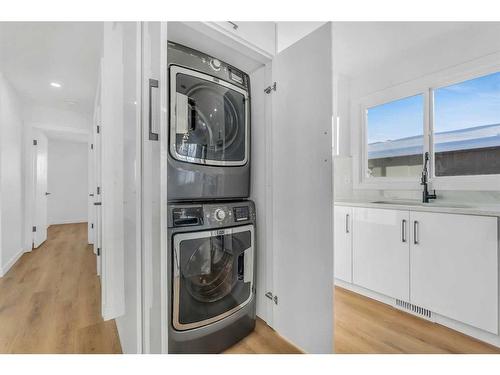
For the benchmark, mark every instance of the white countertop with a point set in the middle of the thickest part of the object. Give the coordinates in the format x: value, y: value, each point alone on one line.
x: 443, y: 207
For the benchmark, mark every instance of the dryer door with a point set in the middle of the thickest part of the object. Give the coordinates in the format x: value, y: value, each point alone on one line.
x: 213, y: 275
x: 208, y: 119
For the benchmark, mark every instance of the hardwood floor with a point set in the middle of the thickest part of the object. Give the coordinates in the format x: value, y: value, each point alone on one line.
x: 264, y: 340
x: 50, y: 299
x: 50, y: 303
x: 363, y: 325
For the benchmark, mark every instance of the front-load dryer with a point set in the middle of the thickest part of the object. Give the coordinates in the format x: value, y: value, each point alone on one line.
x: 209, y: 128
x: 211, y: 275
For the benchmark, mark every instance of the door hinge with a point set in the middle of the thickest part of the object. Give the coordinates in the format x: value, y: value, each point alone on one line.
x: 34, y: 229
x: 270, y: 89
x: 92, y: 226
x: 98, y: 251
x: 91, y: 146
x: 272, y: 298
x: 98, y: 129
x: 98, y: 190
x: 35, y: 142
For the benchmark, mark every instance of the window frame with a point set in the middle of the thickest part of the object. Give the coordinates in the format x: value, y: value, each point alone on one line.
x: 425, y: 86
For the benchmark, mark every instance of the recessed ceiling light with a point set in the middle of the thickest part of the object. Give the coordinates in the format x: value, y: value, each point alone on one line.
x: 55, y: 84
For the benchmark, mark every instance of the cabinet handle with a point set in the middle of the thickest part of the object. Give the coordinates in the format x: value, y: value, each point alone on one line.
x: 415, y: 232
x: 153, y: 84
x: 347, y: 223
x: 233, y: 24
x: 403, y: 230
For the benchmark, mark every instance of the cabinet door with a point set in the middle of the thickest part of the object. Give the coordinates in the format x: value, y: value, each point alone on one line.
x: 342, y: 225
x: 454, y: 267
x: 381, y: 251
x: 302, y: 198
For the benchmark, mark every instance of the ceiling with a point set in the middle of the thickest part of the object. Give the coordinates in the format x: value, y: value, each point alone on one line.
x: 360, y: 46
x: 34, y: 54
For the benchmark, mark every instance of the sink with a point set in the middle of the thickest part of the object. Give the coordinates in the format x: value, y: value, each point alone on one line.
x: 401, y: 203
x: 417, y: 203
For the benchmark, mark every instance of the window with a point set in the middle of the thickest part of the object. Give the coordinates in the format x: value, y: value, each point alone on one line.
x: 457, y: 122
x: 394, y: 133
x: 467, y: 127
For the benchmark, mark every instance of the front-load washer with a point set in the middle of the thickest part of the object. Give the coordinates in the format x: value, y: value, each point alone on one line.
x: 209, y: 128
x: 211, y: 282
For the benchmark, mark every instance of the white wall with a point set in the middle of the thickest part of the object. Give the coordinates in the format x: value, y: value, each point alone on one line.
x: 67, y: 182
x: 287, y: 33
x: 11, y: 178
x: 55, y: 123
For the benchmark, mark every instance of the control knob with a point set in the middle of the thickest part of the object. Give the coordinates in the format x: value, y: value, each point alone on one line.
x: 215, y: 64
x: 219, y: 214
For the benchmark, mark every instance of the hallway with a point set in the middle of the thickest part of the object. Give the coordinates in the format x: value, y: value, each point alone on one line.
x: 50, y: 299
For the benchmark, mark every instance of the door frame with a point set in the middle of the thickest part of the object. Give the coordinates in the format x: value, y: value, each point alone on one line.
x: 37, y: 136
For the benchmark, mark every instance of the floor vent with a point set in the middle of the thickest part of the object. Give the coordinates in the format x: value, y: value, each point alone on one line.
x: 414, y: 309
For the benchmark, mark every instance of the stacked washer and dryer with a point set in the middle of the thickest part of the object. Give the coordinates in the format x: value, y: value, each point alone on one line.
x: 211, y: 222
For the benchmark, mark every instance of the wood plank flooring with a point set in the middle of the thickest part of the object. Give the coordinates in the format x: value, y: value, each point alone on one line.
x: 50, y: 299
x: 263, y: 340
x: 50, y: 303
x: 363, y: 325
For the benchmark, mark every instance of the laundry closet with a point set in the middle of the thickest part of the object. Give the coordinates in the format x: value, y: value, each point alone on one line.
x: 236, y: 185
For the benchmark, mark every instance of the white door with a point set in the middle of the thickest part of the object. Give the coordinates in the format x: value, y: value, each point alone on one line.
x: 454, y: 267
x: 40, y: 189
x: 302, y: 193
x: 97, y: 189
x: 342, y: 235
x: 381, y: 251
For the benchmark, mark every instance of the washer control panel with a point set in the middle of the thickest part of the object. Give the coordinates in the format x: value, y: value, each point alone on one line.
x: 215, y: 215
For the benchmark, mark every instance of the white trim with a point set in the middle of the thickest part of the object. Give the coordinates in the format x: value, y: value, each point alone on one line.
x: 264, y: 55
x: 424, y: 85
x: 7, y: 266
x: 164, y: 238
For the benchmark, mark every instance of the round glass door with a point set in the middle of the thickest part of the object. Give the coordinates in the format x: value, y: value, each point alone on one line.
x: 209, y: 273
x: 210, y: 121
x: 213, y: 275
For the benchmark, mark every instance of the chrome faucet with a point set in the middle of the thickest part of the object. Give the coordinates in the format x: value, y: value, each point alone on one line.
x: 423, y: 181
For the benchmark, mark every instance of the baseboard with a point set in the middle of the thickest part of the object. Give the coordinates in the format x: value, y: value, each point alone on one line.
x: 69, y: 222
x: 4, y: 269
x: 466, y: 329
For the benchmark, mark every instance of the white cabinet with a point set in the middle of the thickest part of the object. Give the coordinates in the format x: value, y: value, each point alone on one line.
x: 454, y: 267
x: 260, y: 35
x: 343, y: 243
x: 381, y: 251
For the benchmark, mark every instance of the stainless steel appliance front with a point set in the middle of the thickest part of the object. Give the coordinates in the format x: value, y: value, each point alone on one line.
x: 223, y: 275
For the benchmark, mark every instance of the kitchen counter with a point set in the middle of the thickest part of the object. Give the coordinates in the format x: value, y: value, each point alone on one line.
x: 442, y: 207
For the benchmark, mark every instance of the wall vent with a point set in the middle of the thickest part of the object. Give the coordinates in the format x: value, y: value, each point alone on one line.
x: 414, y: 309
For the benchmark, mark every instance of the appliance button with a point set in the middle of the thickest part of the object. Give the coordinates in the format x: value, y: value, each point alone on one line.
x: 219, y: 214
x: 215, y: 64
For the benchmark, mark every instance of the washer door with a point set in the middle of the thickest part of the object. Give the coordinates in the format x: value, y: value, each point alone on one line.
x: 208, y: 119
x: 212, y: 275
